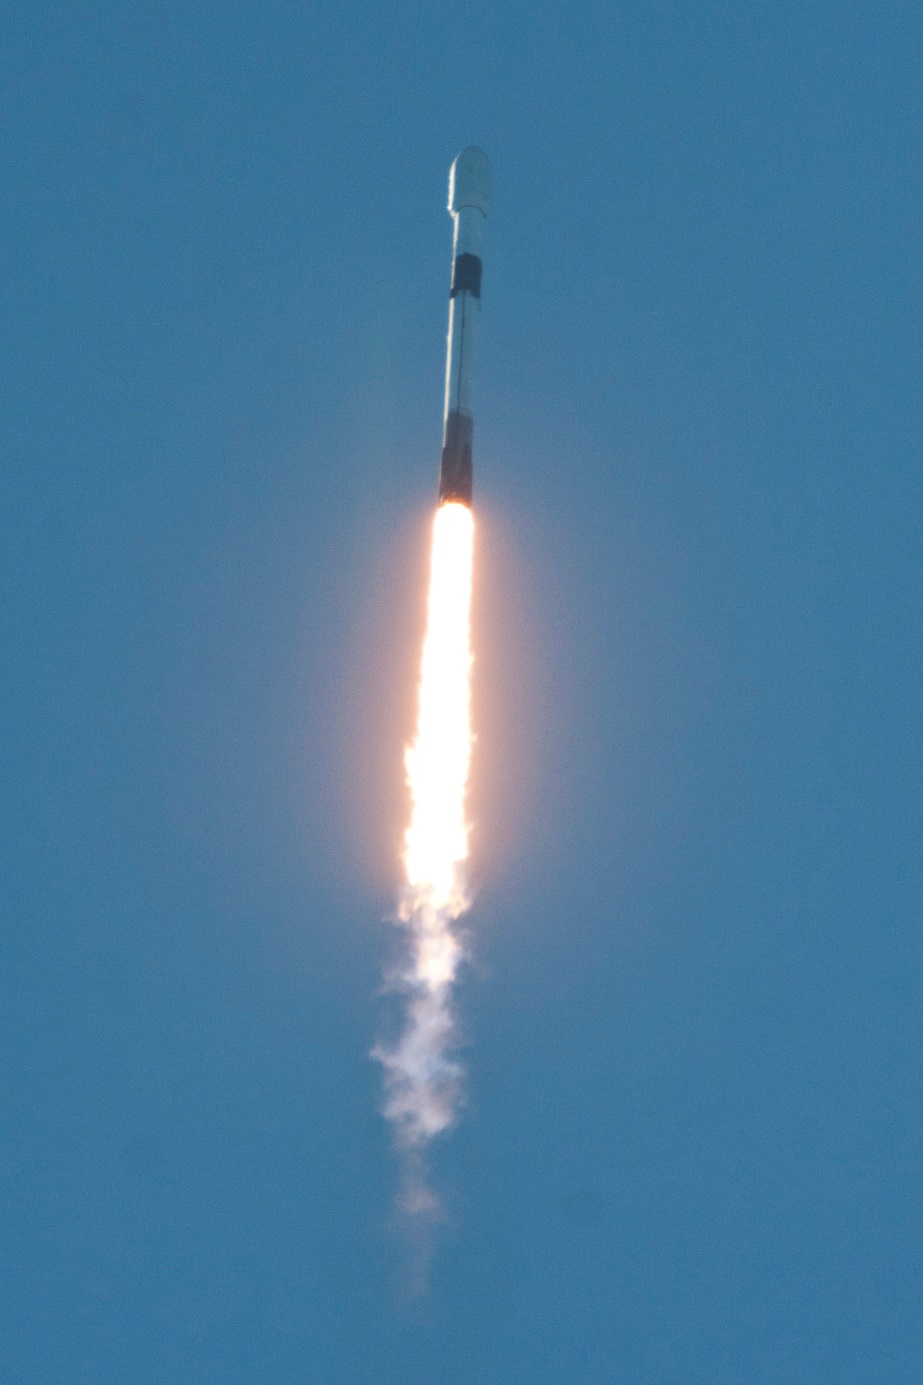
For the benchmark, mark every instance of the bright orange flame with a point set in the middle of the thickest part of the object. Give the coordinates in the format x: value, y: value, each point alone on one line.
x: 422, y: 1079
x: 437, y: 763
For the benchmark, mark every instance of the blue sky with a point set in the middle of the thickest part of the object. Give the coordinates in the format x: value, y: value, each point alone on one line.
x: 692, y: 1148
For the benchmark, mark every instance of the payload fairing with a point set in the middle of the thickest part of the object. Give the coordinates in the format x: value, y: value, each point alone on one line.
x: 469, y: 203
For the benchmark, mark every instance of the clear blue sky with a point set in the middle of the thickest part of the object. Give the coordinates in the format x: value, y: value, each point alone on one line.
x: 693, y: 1147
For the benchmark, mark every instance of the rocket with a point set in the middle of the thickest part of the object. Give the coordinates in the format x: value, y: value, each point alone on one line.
x: 469, y: 203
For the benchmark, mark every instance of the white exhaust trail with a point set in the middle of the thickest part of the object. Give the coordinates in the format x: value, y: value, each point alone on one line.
x: 423, y: 1078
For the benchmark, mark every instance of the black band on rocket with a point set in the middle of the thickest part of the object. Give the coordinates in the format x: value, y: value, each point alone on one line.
x: 466, y: 275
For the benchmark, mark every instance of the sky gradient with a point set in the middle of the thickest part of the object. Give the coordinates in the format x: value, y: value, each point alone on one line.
x: 692, y: 1148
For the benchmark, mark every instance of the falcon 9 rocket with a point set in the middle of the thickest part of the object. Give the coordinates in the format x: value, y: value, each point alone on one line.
x: 469, y: 203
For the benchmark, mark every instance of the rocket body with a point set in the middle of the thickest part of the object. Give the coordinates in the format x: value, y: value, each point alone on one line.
x: 469, y: 203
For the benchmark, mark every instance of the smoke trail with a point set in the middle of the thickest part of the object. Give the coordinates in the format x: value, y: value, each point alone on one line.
x: 423, y: 1080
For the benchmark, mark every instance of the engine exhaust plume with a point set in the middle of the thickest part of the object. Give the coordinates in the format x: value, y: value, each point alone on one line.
x: 423, y: 1078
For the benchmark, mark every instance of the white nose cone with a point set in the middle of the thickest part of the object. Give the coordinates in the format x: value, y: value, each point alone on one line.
x: 470, y: 181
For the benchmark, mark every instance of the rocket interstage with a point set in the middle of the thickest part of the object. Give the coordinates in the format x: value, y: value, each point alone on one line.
x: 469, y: 203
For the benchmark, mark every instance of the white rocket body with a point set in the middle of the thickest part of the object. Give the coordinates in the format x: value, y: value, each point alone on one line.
x: 469, y: 203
